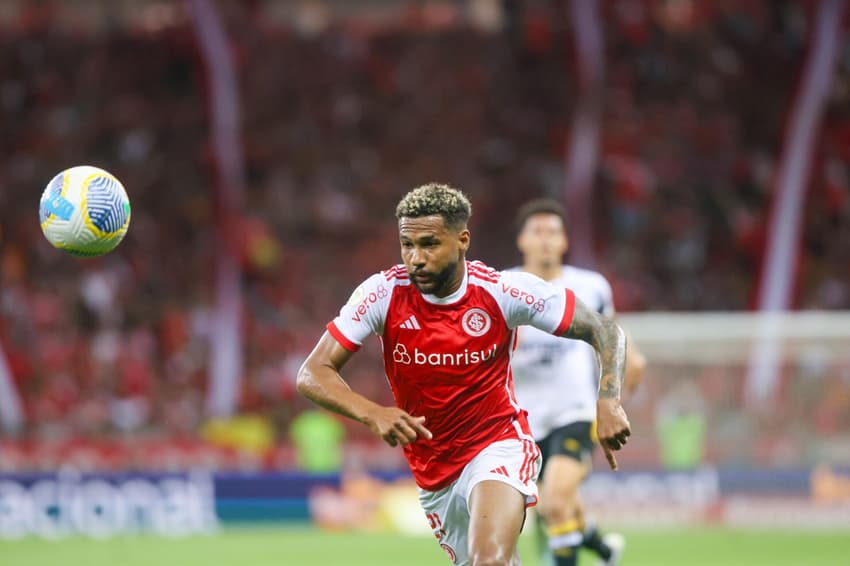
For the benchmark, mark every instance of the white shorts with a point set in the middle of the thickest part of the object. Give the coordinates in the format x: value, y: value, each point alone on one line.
x: 514, y: 462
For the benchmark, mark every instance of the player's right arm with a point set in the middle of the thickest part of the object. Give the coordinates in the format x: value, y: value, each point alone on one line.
x: 319, y: 378
x: 320, y: 381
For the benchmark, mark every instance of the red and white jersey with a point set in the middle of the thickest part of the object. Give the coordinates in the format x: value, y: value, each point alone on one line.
x: 448, y: 359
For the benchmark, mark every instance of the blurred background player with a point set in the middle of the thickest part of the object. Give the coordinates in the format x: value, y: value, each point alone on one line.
x: 563, y: 424
x: 447, y: 327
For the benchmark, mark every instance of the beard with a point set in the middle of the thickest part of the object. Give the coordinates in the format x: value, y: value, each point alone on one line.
x: 436, y: 283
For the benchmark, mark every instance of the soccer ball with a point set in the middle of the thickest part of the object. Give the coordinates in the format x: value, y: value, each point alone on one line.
x: 84, y: 211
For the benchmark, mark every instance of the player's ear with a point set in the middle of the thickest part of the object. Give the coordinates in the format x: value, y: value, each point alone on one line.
x: 463, y: 239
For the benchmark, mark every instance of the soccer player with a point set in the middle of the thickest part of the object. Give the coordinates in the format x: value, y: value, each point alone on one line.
x: 447, y: 329
x: 563, y: 424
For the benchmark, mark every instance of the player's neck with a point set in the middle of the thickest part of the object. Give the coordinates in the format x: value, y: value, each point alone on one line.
x: 455, y: 283
x: 547, y: 272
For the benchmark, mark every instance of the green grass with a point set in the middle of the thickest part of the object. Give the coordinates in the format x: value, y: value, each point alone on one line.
x: 297, y: 547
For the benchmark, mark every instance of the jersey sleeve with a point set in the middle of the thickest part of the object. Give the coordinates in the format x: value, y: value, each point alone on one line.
x: 525, y: 299
x: 363, y: 314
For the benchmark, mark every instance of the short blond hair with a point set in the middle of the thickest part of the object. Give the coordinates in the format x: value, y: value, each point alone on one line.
x: 436, y: 198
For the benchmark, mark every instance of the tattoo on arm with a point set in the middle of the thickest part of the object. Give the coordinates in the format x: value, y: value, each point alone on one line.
x: 609, y: 341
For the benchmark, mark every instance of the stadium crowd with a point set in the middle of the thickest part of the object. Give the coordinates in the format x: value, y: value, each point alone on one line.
x: 336, y: 126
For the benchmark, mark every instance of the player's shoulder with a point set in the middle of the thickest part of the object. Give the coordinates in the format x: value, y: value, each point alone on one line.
x: 479, y: 272
x: 380, y: 284
x: 395, y: 275
x: 386, y: 278
x: 495, y: 280
x: 518, y: 275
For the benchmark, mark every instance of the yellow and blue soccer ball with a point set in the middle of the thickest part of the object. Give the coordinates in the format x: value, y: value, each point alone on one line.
x: 84, y: 211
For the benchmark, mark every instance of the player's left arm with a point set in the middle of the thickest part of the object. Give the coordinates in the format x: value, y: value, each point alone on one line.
x: 609, y: 341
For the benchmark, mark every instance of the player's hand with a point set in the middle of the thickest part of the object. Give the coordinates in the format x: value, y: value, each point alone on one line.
x: 396, y: 427
x: 612, y: 428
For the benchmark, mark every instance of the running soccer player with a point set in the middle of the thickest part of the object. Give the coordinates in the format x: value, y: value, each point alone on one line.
x: 563, y: 425
x: 447, y: 329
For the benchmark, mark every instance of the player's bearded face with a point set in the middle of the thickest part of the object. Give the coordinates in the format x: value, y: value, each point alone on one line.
x: 432, y: 254
x: 437, y: 283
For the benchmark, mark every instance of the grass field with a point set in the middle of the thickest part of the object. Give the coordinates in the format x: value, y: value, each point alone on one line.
x: 297, y: 547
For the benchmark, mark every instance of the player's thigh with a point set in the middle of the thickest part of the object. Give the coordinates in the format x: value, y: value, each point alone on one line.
x: 496, y: 516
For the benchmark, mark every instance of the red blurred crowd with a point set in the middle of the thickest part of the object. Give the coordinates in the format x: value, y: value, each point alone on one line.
x: 336, y: 126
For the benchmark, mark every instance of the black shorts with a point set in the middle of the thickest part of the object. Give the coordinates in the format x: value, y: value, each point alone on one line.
x: 575, y: 440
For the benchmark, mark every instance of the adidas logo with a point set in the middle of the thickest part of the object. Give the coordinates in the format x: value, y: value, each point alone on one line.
x: 501, y: 470
x: 411, y: 323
